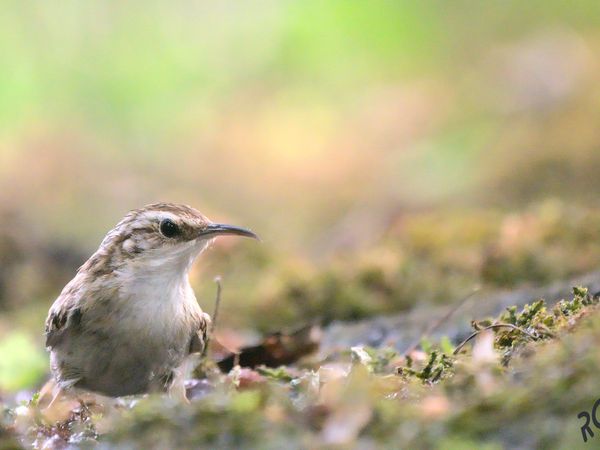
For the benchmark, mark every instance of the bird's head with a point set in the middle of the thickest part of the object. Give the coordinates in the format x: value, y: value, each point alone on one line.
x: 158, y: 237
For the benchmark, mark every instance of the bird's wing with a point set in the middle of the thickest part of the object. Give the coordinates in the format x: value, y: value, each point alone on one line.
x: 199, y: 332
x: 64, y: 314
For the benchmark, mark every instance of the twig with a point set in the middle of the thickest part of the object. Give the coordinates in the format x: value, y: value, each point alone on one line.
x: 214, y: 317
x: 435, y: 325
x: 491, y: 327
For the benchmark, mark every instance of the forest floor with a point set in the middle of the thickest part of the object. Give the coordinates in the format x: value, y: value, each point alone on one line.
x: 493, y: 366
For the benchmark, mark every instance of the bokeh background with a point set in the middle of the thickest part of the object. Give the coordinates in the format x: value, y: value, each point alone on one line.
x: 389, y: 154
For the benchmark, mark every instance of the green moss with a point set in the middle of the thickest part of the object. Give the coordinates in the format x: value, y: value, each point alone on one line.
x: 431, y: 400
x: 429, y: 258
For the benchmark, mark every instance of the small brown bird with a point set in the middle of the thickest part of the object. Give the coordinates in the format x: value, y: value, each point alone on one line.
x: 128, y: 321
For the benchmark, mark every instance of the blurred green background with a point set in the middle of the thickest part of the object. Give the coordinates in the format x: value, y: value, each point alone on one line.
x: 388, y: 153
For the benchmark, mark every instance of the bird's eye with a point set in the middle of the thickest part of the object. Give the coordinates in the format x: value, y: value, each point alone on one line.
x: 168, y: 228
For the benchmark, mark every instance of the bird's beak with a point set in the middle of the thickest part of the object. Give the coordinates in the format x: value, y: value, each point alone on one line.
x: 218, y: 229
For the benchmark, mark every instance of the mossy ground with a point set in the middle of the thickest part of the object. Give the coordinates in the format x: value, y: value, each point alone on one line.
x: 520, y: 382
x: 520, y: 385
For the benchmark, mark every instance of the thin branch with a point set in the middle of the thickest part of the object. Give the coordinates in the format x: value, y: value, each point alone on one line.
x: 491, y: 327
x: 214, y: 317
x: 435, y: 325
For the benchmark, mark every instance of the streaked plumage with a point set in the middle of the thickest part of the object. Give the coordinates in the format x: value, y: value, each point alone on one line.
x: 129, y: 319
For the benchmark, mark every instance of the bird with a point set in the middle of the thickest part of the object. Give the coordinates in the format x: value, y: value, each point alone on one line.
x: 128, y: 322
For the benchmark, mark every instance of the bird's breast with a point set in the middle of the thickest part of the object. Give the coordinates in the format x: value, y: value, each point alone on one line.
x: 143, y: 314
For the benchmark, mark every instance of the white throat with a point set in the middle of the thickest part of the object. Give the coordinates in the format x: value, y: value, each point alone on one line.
x: 160, y: 279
